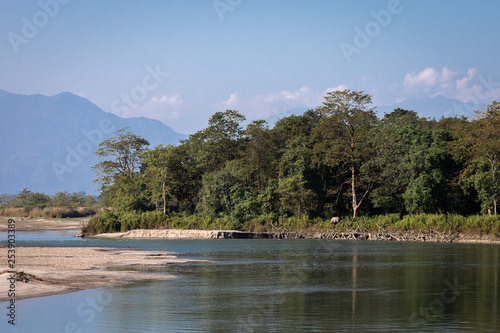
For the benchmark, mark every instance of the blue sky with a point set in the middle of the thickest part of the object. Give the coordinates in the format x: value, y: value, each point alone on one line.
x: 180, y: 61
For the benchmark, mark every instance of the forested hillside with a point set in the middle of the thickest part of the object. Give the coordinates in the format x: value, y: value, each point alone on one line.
x: 339, y: 159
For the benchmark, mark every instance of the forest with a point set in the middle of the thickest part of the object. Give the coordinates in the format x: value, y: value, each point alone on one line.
x: 337, y: 160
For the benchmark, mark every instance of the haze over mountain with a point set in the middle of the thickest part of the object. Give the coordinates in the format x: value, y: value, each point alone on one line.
x: 48, y: 143
x: 436, y: 107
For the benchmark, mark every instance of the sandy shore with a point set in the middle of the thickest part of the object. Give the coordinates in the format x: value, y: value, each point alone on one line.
x: 62, y: 270
x: 174, y: 234
x: 26, y: 224
x: 409, y: 236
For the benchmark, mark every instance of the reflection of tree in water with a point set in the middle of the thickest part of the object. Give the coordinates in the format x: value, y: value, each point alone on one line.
x: 354, y: 283
x: 292, y: 277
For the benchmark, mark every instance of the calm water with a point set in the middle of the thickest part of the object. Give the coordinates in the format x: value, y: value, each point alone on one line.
x: 281, y: 286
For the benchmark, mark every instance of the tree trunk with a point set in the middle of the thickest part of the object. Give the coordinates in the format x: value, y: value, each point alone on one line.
x: 298, y: 207
x: 495, y: 206
x: 353, y: 188
x: 164, y: 199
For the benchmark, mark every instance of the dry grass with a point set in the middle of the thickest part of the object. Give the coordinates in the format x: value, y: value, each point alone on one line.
x: 49, y: 212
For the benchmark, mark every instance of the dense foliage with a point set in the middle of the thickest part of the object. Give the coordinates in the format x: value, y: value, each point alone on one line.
x: 336, y: 160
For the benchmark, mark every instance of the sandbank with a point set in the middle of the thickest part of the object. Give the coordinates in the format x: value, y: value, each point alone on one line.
x: 68, y: 269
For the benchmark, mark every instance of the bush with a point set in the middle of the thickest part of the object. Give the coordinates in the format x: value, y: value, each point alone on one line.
x: 153, y: 220
x: 48, y: 212
x: 103, y: 222
x: 109, y: 221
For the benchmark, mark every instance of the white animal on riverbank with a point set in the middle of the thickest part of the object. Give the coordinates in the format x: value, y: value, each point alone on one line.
x: 335, y: 220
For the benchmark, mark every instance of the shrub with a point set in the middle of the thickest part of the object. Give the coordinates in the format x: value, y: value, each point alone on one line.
x: 103, y: 222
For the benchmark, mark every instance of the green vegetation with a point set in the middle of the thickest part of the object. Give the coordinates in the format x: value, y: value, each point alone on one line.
x: 121, y: 221
x: 60, y: 205
x: 399, y: 172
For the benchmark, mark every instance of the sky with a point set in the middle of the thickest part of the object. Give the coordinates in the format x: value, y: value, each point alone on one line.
x: 180, y: 61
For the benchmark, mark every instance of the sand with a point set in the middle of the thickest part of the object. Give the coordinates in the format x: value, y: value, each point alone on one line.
x: 169, y: 234
x: 27, y: 224
x: 69, y: 269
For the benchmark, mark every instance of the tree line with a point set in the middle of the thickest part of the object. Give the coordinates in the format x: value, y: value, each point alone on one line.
x: 29, y: 200
x: 338, y: 159
x: 59, y: 205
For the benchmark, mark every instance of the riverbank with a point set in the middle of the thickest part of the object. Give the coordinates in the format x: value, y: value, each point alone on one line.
x: 382, y: 235
x: 33, y: 224
x: 57, y: 270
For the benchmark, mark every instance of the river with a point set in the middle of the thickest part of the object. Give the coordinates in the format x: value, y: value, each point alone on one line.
x: 281, y: 286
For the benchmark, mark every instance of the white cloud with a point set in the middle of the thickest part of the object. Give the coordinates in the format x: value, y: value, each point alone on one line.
x: 446, y: 77
x: 163, y: 108
x: 173, y: 101
x: 340, y: 87
x: 468, y: 89
x: 232, y: 100
x: 427, y: 77
x: 286, y: 95
x: 464, y: 82
x: 279, y: 102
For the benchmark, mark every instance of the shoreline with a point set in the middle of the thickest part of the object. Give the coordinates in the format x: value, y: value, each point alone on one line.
x: 57, y: 270
x: 383, y: 235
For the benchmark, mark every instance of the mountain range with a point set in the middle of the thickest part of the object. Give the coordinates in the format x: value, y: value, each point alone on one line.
x: 48, y: 142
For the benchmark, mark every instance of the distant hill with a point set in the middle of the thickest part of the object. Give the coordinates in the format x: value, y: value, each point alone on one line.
x: 48, y: 143
x: 435, y: 107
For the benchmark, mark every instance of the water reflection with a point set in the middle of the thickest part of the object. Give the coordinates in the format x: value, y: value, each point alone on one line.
x: 302, y: 285
x: 354, y: 283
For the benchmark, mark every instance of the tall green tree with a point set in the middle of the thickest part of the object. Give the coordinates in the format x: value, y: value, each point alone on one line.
x: 430, y: 166
x: 61, y: 199
x: 294, y: 187
x: 348, y: 123
x: 219, y: 143
x: 259, y: 154
x: 392, y: 141
x: 480, y: 141
x: 29, y: 200
x: 160, y: 164
x: 124, y: 151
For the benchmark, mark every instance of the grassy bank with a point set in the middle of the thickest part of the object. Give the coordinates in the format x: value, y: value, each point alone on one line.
x: 48, y: 212
x: 114, y: 221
